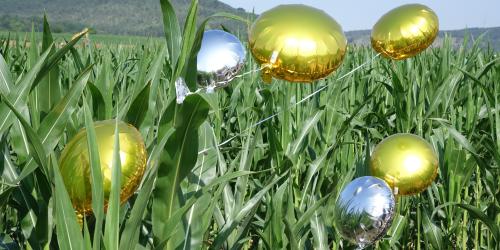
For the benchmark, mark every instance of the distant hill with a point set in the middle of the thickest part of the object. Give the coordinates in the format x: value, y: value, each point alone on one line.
x: 119, y: 17
x: 491, y: 36
x: 143, y: 18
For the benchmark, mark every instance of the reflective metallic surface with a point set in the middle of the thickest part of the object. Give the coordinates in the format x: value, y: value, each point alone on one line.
x: 364, y: 210
x: 406, y: 162
x: 405, y: 31
x: 181, y: 90
x: 297, y: 43
x: 75, y: 168
x: 220, y: 58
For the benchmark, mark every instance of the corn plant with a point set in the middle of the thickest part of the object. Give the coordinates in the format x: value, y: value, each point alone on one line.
x: 247, y: 167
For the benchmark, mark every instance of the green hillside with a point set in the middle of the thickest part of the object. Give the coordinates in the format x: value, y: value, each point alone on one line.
x: 490, y: 37
x: 119, y: 17
x: 143, y: 18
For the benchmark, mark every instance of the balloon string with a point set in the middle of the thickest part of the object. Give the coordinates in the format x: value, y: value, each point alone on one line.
x: 249, y: 72
x: 211, y: 89
x: 295, y: 104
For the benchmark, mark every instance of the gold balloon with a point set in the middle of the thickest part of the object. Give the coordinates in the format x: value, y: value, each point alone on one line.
x: 297, y: 43
x: 75, y: 167
x: 405, y: 31
x: 406, y: 162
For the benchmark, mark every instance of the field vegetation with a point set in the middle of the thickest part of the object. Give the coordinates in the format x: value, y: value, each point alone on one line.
x: 253, y: 165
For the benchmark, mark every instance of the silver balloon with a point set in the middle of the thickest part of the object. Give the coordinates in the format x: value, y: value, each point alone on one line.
x: 220, y: 59
x: 364, y: 210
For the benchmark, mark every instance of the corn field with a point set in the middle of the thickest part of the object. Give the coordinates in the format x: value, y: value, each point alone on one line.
x: 222, y: 176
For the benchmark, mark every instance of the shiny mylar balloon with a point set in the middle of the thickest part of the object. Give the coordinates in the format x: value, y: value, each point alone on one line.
x: 75, y: 167
x: 297, y: 43
x: 220, y: 58
x: 405, y: 31
x: 364, y: 210
x: 406, y: 162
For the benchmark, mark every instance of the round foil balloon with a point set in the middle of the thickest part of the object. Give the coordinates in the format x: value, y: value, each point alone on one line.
x: 297, y: 43
x: 364, y: 210
x: 220, y: 58
x: 405, y: 31
x: 406, y: 162
x: 75, y: 167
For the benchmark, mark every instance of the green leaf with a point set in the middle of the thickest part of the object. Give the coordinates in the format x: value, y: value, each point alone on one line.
x: 39, y: 153
x: 105, y: 85
x: 292, y: 239
x: 96, y: 177
x: 179, y: 157
x: 318, y: 229
x: 278, y: 229
x: 68, y: 231
x: 77, y: 59
x: 86, y: 235
x: 6, y: 45
x: 28, y: 203
x: 154, y: 75
x: 477, y: 214
x: 301, y: 140
x: 47, y: 39
x: 314, y: 167
x: 187, y: 44
x: 172, y: 30
x: 306, y: 217
x: 19, y: 141
x: 33, y: 51
x: 233, y: 222
x: 4, y: 197
x: 138, y: 110
x: 397, y: 229
x: 487, y: 68
x: 432, y: 233
x: 176, y: 217
x: 20, y: 93
x: 200, y: 215
x: 9, y: 173
x: 52, y: 127
x: 48, y: 88
x: 21, y: 194
x: 6, y: 84
x: 98, y: 104
x: 487, y: 91
x: 112, y: 230
x: 462, y: 140
x: 54, y: 58
x: 130, y: 235
x: 246, y: 160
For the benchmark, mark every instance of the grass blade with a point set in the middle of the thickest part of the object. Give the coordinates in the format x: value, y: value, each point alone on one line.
x: 20, y: 93
x: 96, y: 177
x: 172, y: 30
x: 54, y: 59
x: 245, y: 210
x: 432, y: 233
x: 112, y: 230
x: 5, y: 77
x: 39, y: 153
x: 181, y: 151
x: 49, y: 87
x: 68, y: 230
x: 478, y: 214
x: 52, y: 127
x: 138, y: 109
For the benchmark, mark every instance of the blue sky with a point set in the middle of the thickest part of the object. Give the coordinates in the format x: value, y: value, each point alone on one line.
x: 357, y: 14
